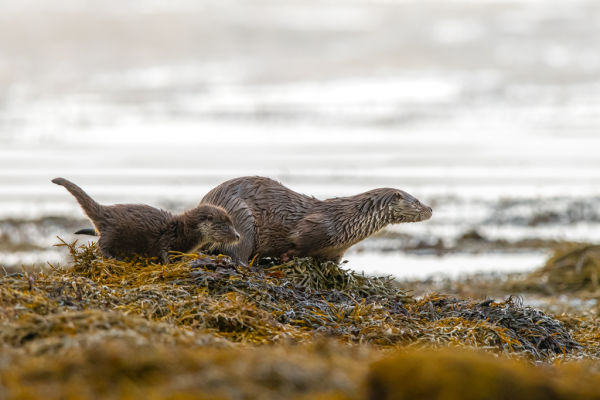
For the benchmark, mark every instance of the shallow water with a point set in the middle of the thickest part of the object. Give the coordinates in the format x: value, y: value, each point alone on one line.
x: 488, y: 111
x: 410, y: 266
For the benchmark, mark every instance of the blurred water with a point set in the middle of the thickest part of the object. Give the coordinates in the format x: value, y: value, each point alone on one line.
x: 489, y: 111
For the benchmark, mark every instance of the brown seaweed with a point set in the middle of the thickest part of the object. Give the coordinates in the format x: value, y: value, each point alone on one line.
x: 203, y: 327
x: 293, y: 301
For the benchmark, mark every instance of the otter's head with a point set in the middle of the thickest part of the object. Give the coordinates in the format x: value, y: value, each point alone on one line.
x: 405, y: 208
x: 212, y: 223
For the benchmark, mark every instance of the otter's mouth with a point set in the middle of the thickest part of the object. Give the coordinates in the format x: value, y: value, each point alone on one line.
x: 414, y: 215
x: 232, y: 241
x: 425, y: 214
x: 232, y: 238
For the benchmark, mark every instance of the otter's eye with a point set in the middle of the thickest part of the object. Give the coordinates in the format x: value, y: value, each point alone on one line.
x: 207, y: 218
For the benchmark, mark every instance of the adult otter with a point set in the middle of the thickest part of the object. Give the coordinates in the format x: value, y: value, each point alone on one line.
x: 136, y: 229
x: 276, y: 221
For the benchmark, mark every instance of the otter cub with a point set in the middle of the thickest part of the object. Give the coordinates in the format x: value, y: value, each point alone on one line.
x: 136, y: 229
x: 276, y: 221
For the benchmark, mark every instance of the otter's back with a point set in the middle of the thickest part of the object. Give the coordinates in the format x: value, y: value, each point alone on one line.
x: 264, y: 197
x: 127, y: 229
x: 263, y: 208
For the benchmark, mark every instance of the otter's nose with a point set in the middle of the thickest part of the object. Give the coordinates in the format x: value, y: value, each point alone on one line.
x: 237, y: 236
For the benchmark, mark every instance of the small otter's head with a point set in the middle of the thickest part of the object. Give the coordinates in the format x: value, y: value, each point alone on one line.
x: 213, y: 223
x: 406, y: 208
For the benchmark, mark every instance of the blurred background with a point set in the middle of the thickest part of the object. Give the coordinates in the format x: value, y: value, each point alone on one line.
x: 488, y: 110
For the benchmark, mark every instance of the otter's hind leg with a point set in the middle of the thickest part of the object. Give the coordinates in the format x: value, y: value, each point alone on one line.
x: 105, y: 249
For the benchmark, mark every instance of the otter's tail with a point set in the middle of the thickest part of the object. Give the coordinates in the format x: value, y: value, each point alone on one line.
x: 87, y: 231
x: 89, y: 205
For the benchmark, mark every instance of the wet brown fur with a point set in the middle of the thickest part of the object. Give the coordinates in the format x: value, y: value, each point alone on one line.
x: 276, y: 221
x: 127, y: 230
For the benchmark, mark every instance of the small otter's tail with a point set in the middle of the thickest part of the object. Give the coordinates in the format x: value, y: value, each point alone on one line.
x: 89, y: 205
x: 87, y: 231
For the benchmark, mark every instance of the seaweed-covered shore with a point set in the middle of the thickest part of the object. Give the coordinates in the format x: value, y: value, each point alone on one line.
x: 203, y: 327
